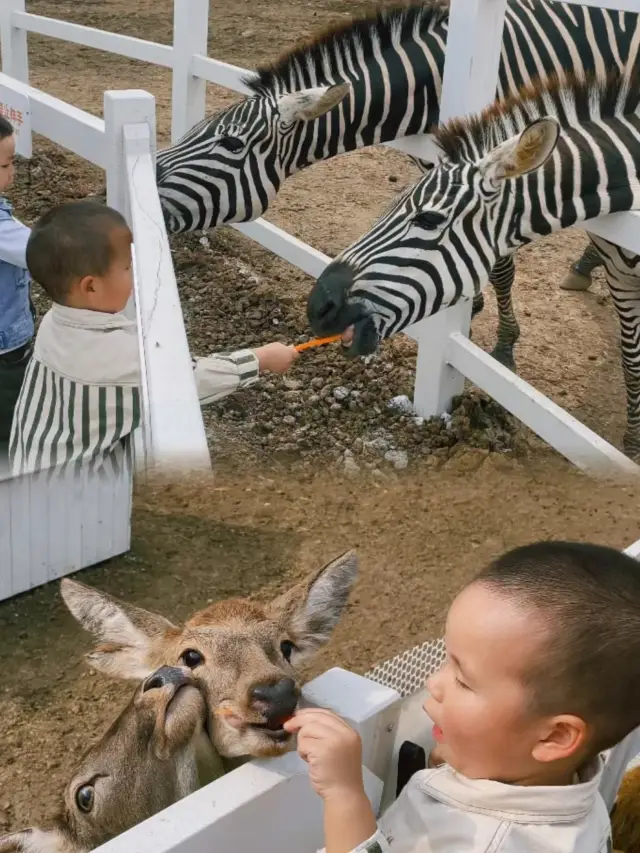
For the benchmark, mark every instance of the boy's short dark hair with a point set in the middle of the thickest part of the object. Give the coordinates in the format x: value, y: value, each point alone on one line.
x: 6, y: 128
x: 590, y: 595
x: 71, y: 241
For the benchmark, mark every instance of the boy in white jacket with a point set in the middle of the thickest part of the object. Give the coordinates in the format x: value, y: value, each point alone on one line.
x: 542, y: 676
x: 80, y: 397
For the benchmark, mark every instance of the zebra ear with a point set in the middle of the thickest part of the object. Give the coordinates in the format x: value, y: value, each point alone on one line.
x: 521, y: 154
x: 308, y: 104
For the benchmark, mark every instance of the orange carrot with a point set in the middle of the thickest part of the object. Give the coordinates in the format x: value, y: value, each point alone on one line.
x: 317, y: 342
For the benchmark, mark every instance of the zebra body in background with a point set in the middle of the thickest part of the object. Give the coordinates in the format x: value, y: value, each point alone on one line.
x: 555, y: 156
x: 230, y: 167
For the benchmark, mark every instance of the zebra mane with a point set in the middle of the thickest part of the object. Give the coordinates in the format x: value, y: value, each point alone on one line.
x: 315, y: 61
x: 573, y: 99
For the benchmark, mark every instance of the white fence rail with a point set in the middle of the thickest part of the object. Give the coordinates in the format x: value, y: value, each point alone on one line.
x: 472, y: 58
x: 83, y: 520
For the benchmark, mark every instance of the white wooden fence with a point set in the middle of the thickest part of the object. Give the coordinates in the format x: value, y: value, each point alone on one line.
x: 269, y: 805
x: 446, y: 356
x: 52, y: 526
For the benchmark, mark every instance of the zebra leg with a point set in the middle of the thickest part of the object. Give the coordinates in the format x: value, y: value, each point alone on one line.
x: 622, y: 272
x: 501, y: 277
x: 579, y: 276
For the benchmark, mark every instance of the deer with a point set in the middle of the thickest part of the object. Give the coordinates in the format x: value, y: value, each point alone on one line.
x: 212, y: 694
x: 155, y: 752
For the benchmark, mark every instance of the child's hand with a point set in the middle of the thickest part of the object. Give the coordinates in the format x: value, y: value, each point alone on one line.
x: 276, y: 357
x: 333, y: 751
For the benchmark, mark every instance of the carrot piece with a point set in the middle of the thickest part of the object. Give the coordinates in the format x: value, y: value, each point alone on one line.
x: 318, y: 342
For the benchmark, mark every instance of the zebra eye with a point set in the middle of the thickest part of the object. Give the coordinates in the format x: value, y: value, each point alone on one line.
x: 430, y: 219
x: 231, y: 143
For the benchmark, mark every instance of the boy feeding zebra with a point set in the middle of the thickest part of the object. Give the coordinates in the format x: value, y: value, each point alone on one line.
x: 80, y: 397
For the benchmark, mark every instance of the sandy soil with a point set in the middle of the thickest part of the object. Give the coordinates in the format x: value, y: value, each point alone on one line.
x: 420, y: 534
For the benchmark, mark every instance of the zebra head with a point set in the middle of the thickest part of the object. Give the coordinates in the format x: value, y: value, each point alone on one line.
x: 436, y: 244
x: 228, y: 168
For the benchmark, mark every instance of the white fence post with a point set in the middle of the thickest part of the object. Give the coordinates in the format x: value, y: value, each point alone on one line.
x: 188, y: 95
x: 436, y: 381
x: 15, y: 59
x: 471, y: 64
x: 128, y: 106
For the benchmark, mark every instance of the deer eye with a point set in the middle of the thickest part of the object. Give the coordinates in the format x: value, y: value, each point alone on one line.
x: 287, y: 648
x: 191, y: 658
x: 85, y: 797
x: 430, y: 219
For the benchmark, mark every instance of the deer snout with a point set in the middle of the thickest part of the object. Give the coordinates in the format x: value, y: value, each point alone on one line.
x: 276, y: 701
x: 165, y: 676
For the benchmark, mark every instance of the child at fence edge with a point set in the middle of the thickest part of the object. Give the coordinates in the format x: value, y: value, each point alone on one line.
x: 17, y: 324
x: 80, y: 396
x: 542, y: 676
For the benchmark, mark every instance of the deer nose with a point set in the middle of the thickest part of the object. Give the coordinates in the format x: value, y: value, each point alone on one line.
x: 276, y: 700
x: 164, y: 676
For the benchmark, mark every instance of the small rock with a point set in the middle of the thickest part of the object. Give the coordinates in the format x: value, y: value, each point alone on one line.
x: 402, y: 403
x: 341, y: 393
x: 204, y: 241
x: 289, y: 420
x: 398, y: 459
x: 316, y: 383
x: 351, y: 467
x: 292, y: 384
x: 377, y: 445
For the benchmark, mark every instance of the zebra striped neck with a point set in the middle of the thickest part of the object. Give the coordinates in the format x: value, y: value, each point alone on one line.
x: 593, y: 171
x: 393, y: 50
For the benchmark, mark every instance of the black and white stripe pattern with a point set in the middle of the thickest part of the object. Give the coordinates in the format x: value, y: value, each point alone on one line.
x: 59, y: 423
x: 441, y: 238
x: 230, y: 167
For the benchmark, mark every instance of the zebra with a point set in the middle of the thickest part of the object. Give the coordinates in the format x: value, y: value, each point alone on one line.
x: 372, y: 80
x: 557, y: 154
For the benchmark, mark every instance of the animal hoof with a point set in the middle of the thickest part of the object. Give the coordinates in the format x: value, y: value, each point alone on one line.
x: 504, y: 354
x: 576, y: 281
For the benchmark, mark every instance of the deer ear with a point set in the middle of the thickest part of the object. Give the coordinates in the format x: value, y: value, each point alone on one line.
x: 308, y: 104
x: 311, y: 610
x: 129, y: 638
x: 35, y: 841
x: 521, y: 154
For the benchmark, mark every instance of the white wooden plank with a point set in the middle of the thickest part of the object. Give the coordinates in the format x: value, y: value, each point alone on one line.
x: 285, y: 245
x: 617, y: 5
x: 188, y: 91
x: 562, y: 431
x: 21, y: 522
x: 220, y: 73
x: 133, y: 48
x: 6, y: 583
x: 62, y: 123
x: 634, y: 550
x: 178, y: 438
x: 623, y: 229
x: 39, y: 507
x: 58, y: 554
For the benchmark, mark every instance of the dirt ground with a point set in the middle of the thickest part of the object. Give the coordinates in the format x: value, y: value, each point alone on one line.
x: 420, y: 533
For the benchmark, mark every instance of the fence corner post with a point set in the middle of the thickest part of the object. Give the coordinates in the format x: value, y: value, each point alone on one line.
x: 128, y: 106
x: 13, y: 41
x: 190, y: 37
x: 436, y: 381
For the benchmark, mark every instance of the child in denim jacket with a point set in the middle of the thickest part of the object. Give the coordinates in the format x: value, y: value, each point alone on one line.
x: 17, y: 324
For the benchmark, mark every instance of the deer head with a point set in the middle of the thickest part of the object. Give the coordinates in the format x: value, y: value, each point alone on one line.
x: 155, y: 753
x: 243, y: 655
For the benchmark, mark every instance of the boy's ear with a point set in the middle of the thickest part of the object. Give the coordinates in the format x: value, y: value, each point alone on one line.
x: 87, y: 285
x: 561, y: 738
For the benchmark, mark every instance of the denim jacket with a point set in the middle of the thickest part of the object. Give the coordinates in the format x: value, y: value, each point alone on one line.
x: 16, y: 319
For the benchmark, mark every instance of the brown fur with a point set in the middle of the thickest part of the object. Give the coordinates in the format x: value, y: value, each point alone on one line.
x: 237, y: 645
x: 378, y: 20
x: 159, y: 736
x: 625, y: 819
x: 454, y: 133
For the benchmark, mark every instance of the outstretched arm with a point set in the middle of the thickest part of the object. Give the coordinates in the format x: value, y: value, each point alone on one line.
x: 221, y: 374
